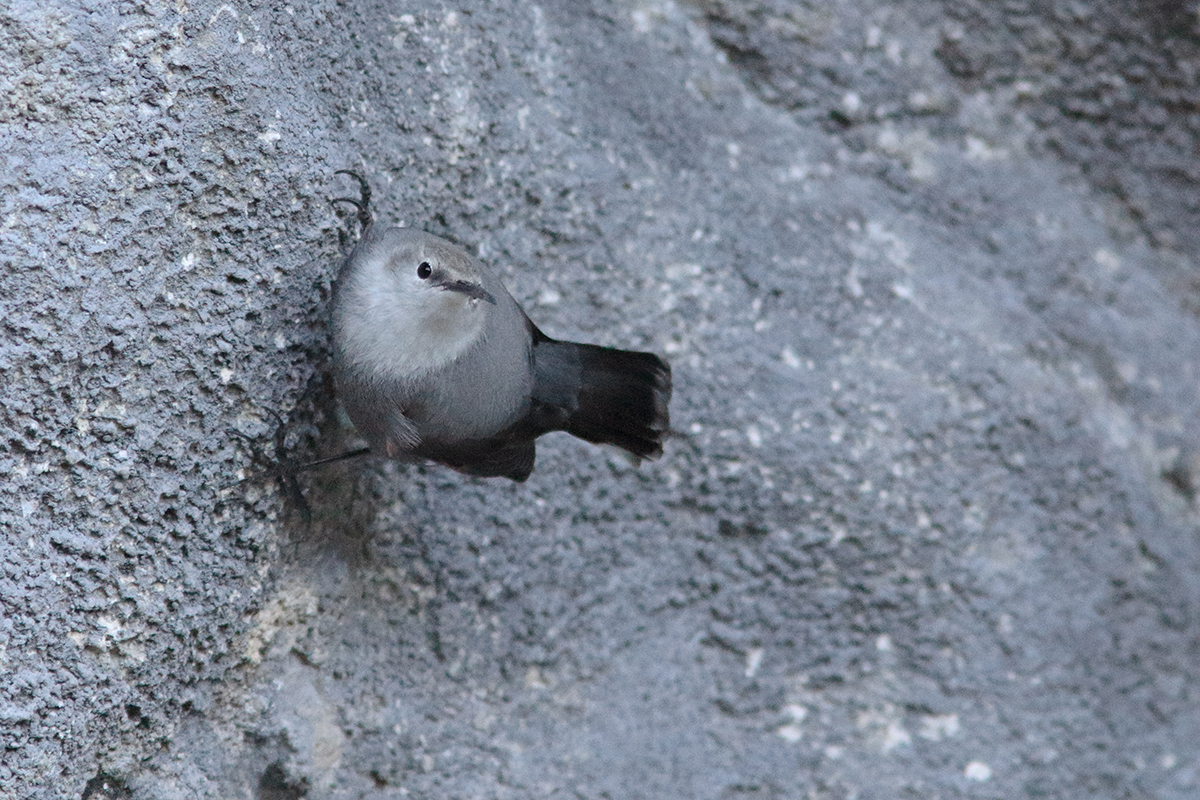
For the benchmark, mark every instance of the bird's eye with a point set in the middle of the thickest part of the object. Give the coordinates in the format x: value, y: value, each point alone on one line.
x: 424, y: 270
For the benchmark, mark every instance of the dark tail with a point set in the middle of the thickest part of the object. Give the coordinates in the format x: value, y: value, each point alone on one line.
x: 603, y: 395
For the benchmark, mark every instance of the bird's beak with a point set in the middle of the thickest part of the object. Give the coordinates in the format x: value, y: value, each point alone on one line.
x: 471, y: 290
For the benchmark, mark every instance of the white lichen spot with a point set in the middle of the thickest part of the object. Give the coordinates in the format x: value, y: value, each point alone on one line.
x: 791, y: 732
x: 754, y: 436
x: 269, y: 136
x: 1107, y: 259
x: 290, y: 606
x: 549, y: 297
x: 903, y: 291
x: 979, y: 150
x: 790, y: 358
x: 281, y: 341
x: 226, y: 375
x: 112, y: 627
x: 978, y: 771
x: 797, y: 172
x: 884, y: 727
x: 134, y: 651
x: 895, y: 249
x: 884, y: 644
x: 895, y: 736
x: 682, y: 271
x: 754, y: 659
x: 451, y: 19
x: 853, y: 285
x: 936, y: 727
x: 484, y: 721
x: 534, y: 680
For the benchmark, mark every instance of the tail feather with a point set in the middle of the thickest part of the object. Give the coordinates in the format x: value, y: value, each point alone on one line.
x: 605, y: 396
x: 623, y: 399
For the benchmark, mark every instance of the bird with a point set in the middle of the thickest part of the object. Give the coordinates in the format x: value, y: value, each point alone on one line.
x: 435, y: 361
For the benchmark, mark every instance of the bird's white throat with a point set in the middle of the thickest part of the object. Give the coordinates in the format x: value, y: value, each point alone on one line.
x: 401, y: 330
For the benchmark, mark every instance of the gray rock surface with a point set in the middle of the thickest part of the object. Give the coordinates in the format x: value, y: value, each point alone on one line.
x: 926, y: 274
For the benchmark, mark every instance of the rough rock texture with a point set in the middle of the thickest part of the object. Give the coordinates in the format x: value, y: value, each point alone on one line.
x: 927, y: 277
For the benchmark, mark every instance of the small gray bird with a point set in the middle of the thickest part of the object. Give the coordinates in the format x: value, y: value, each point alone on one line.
x: 434, y: 360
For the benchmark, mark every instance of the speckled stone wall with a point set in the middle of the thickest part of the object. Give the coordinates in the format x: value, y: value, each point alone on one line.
x: 926, y: 274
